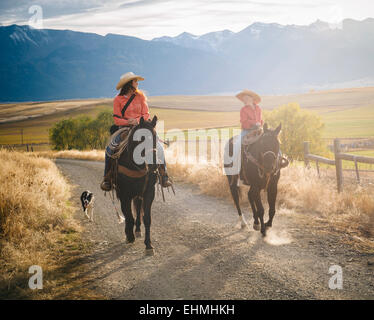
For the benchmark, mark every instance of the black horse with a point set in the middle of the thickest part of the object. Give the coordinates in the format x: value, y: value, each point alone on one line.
x: 136, y: 182
x: 260, y: 169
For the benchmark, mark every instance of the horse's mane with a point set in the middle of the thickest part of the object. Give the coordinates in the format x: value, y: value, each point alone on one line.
x: 147, y: 124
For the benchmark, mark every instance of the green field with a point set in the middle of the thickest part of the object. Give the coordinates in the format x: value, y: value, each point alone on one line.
x: 353, y: 123
x: 347, y: 113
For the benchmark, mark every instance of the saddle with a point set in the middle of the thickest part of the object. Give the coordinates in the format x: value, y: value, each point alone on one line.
x: 252, y: 136
x: 117, y: 144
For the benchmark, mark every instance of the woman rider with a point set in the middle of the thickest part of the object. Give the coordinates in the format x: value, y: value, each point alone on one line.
x: 250, y: 113
x: 128, y: 85
x: 250, y: 118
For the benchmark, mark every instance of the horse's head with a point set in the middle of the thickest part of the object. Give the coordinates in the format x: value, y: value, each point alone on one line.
x: 269, y: 148
x: 142, y: 142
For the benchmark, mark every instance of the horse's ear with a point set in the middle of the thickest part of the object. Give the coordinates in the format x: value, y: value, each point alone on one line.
x: 265, y: 127
x: 154, y: 121
x: 278, y: 129
x: 141, y: 120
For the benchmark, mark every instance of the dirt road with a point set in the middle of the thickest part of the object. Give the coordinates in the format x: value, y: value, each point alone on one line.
x: 201, y: 252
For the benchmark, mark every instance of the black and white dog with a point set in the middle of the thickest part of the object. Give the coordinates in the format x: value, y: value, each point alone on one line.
x: 87, y: 199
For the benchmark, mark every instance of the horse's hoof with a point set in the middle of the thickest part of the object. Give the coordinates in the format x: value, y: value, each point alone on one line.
x: 243, y: 223
x: 121, y: 220
x: 149, y: 252
x: 256, y: 226
x: 138, y: 234
x: 130, y: 241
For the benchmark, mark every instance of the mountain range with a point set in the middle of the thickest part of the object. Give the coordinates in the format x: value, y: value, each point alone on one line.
x: 270, y: 58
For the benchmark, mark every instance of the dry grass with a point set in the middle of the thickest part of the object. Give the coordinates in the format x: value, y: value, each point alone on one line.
x: 96, y: 155
x: 16, y: 111
x: 36, y: 227
x: 351, y: 210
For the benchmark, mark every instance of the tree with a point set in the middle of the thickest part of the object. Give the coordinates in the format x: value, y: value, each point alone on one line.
x: 102, y: 124
x: 298, y: 125
x: 82, y: 132
x: 62, y: 134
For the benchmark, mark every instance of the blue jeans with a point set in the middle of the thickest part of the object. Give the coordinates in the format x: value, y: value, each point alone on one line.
x: 238, y: 146
x: 236, y: 159
x: 238, y: 142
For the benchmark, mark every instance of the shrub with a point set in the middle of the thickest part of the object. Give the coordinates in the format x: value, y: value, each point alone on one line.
x: 81, y: 133
x: 298, y: 125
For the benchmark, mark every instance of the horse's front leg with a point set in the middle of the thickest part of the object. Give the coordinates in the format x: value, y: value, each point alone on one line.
x: 129, y: 219
x: 251, y: 198
x: 233, y: 182
x: 272, y: 196
x: 138, y: 206
x: 148, y: 199
x: 260, y: 209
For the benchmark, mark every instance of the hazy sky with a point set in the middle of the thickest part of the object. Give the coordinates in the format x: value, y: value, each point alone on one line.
x: 153, y: 18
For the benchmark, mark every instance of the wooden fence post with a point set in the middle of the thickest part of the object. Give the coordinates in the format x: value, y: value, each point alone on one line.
x: 306, y: 152
x: 357, y: 172
x: 338, y: 165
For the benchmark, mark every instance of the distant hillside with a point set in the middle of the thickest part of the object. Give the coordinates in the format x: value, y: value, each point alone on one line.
x: 270, y: 58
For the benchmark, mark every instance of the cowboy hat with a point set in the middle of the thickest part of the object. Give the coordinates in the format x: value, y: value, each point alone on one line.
x: 246, y: 92
x: 126, y: 78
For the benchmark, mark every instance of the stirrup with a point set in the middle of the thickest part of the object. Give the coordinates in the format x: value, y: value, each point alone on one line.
x: 165, y: 182
x: 284, y: 162
x: 106, y: 186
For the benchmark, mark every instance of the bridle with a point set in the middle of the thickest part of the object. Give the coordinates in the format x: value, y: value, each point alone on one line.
x: 260, y: 167
x: 275, y: 167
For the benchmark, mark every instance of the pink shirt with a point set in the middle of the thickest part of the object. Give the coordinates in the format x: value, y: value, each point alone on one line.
x: 250, y: 116
x: 138, y: 108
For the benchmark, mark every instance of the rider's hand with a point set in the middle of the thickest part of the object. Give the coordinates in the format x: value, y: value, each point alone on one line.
x: 133, y: 121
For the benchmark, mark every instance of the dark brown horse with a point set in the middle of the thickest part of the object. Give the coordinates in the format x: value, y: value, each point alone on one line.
x: 260, y: 164
x: 136, y: 181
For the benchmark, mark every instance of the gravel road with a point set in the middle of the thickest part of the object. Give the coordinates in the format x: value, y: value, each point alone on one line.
x: 202, y: 253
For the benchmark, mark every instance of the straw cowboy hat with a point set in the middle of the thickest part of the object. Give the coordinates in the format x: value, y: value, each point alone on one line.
x: 246, y: 92
x: 126, y: 78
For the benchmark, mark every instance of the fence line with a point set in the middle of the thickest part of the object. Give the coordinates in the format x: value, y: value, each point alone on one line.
x: 28, y: 146
x: 337, y: 162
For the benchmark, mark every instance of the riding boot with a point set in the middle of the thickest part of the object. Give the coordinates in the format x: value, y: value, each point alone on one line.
x: 165, y: 182
x: 106, y: 185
